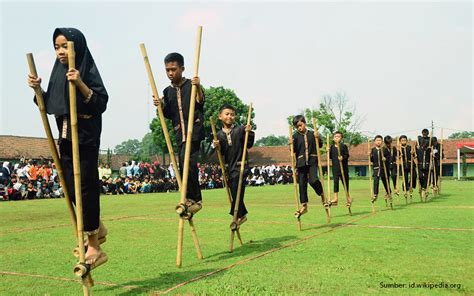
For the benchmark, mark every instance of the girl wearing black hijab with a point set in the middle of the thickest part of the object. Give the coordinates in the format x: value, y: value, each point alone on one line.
x: 91, y: 103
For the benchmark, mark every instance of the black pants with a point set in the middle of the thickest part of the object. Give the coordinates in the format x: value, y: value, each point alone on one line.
x: 407, y: 178
x: 234, y: 183
x: 338, y: 176
x: 423, y: 175
x: 193, y: 191
x: 393, y: 174
x: 308, y: 174
x: 381, y: 176
x: 89, y: 181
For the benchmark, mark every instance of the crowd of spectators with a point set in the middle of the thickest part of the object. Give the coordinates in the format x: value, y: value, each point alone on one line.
x: 36, y: 179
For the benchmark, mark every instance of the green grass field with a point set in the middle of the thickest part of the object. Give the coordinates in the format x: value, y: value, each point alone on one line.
x: 420, y: 243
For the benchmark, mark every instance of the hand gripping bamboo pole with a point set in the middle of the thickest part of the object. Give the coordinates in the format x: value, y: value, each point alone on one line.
x: 187, y: 151
x: 320, y: 168
x: 370, y: 177
x: 293, y: 172
x: 222, y: 166
x: 241, y: 175
x: 328, y: 160
x: 343, y: 177
x: 169, y: 145
x: 76, y: 162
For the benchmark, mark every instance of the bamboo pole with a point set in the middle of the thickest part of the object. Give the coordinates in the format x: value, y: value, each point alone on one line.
x: 344, y: 185
x: 389, y: 192
x: 404, y: 185
x: 76, y: 165
x: 320, y: 168
x: 328, y: 160
x: 370, y: 177
x: 187, y: 151
x: 411, y: 174
x: 51, y: 142
x: 440, y: 163
x: 241, y: 175
x: 417, y: 168
x: 224, y: 176
x: 293, y: 171
x: 169, y: 145
x: 397, y: 162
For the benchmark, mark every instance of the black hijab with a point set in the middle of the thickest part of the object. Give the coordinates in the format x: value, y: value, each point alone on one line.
x: 58, y: 91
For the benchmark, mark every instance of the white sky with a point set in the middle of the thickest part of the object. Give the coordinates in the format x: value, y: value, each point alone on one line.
x: 413, y: 60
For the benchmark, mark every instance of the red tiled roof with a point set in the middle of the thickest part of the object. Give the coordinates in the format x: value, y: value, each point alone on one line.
x: 16, y: 147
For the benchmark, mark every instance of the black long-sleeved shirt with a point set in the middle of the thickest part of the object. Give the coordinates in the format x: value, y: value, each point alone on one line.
x: 305, y: 148
x: 177, y: 109
x: 333, y: 154
x: 232, y: 148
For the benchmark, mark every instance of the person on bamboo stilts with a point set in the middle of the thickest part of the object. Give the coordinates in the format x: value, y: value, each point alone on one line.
x: 423, y: 156
x: 437, y: 155
x: 230, y: 139
x: 378, y: 156
x: 336, y: 168
x: 406, y: 154
x: 92, y: 101
x: 392, y: 161
x: 304, y: 144
x: 175, y: 103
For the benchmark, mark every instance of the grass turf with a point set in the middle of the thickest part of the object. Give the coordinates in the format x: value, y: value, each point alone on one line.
x: 367, y: 253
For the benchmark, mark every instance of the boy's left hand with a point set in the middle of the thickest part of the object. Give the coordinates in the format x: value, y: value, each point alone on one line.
x: 339, y: 157
x: 73, y: 75
x: 248, y: 128
x: 196, y: 81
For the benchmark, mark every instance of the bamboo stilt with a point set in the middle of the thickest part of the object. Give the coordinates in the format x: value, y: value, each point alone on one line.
x: 398, y: 168
x: 411, y: 174
x: 389, y: 192
x: 224, y: 176
x: 320, y: 168
x: 344, y: 185
x: 76, y: 163
x: 417, y: 168
x: 293, y: 170
x: 241, y: 175
x: 187, y: 151
x: 402, y: 163
x: 328, y: 160
x: 159, y: 111
x: 440, y: 163
x: 370, y: 177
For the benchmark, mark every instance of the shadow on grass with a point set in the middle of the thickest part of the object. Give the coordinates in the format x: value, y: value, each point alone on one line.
x: 157, y: 284
x: 169, y: 279
x: 250, y: 247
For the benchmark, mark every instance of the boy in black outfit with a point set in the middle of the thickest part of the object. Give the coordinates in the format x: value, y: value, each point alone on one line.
x: 408, y: 168
x: 392, y: 161
x: 379, y: 156
x: 304, y: 144
x: 230, y: 139
x: 176, y: 102
x: 336, y: 167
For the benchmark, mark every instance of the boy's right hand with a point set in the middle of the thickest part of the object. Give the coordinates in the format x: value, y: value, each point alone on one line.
x: 157, y: 101
x: 34, y: 82
x: 216, y: 143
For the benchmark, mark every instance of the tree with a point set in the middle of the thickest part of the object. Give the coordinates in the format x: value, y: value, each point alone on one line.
x: 462, y: 135
x: 335, y: 114
x: 272, y: 140
x: 149, y: 147
x: 131, y: 147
